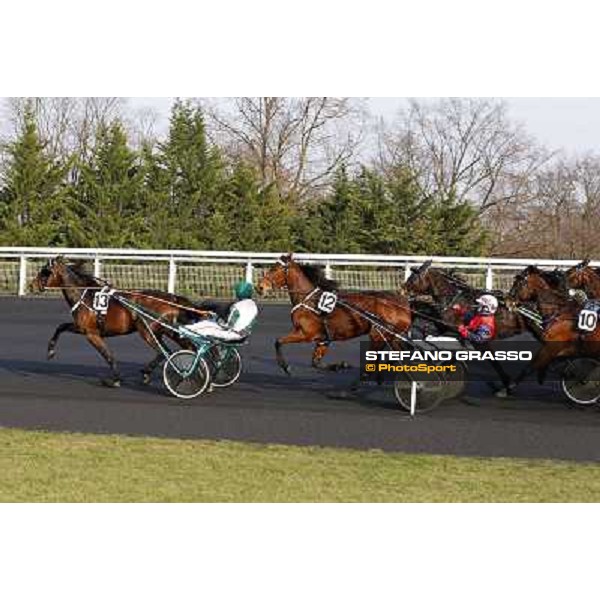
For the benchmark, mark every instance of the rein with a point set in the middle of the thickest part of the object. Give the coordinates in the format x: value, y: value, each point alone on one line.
x: 374, y: 320
x: 81, y: 300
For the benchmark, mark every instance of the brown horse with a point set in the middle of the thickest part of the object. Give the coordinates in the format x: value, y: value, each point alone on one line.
x: 377, y: 314
x: 583, y: 277
x: 560, y: 335
x: 448, y: 289
x: 77, y: 288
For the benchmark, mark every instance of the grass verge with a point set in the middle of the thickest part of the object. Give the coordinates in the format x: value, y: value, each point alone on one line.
x: 53, y: 467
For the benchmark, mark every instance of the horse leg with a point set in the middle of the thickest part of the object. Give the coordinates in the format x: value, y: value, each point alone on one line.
x: 320, y: 350
x: 156, y: 343
x: 97, y: 342
x: 150, y: 366
x: 379, y: 342
x: 54, y: 339
x: 539, y: 364
x: 295, y: 337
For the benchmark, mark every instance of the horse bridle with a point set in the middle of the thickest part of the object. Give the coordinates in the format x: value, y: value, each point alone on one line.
x: 46, y: 271
x: 303, y: 302
x: 460, y: 287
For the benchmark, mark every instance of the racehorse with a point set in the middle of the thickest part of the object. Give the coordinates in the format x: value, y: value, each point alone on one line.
x: 560, y: 334
x: 447, y: 290
x: 75, y: 285
x: 583, y: 277
x: 381, y: 315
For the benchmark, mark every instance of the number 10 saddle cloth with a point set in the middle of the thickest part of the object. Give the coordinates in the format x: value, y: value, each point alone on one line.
x: 588, y: 316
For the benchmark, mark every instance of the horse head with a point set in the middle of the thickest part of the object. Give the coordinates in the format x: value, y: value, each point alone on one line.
x: 50, y: 275
x: 583, y: 277
x: 418, y: 281
x: 526, y: 284
x: 276, y: 277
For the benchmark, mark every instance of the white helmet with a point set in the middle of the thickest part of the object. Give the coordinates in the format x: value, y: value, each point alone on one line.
x: 488, y: 303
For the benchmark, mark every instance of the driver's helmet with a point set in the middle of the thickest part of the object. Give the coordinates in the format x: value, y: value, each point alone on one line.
x: 243, y: 290
x: 488, y: 304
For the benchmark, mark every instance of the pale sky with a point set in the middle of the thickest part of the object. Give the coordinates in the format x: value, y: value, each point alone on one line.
x: 571, y: 124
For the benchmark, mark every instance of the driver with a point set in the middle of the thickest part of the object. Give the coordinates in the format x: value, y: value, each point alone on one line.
x: 480, y: 327
x: 240, y: 319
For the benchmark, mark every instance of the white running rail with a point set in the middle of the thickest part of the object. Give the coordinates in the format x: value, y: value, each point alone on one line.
x: 212, y: 273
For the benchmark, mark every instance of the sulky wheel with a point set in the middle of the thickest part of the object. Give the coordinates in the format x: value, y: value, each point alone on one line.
x: 186, y: 374
x: 429, y: 393
x: 455, y: 383
x: 226, y: 365
x: 580, y: 381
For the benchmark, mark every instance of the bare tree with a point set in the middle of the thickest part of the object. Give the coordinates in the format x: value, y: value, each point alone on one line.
x: 466, y: 148
x: 296, y: 143
x: 66, y: 124
x: 142, y: 124
x: 561, y: 215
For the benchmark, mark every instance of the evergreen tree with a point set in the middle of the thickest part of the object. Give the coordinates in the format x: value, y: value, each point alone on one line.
x: 36, y: 208
x: 333, y: 224
x: 456, y: 229
x: 108, y: 191
x: 412, y: 213
x: 380, y: 213
x: 257, y: 216
x: 184, y: 179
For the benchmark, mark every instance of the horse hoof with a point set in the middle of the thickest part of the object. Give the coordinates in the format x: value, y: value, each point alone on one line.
x: 111, y: 383
x: 51, y: 354
x: 146, y: 378
x: 286, y: 369
x: 344, y: 365
x: 504, y: 393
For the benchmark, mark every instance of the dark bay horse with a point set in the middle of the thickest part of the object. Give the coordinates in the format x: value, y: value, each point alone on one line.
x: 448, y: 289
x: 560, y: 335
x: 355, y: 314
x: 586, y: 278
x: 75, y: 285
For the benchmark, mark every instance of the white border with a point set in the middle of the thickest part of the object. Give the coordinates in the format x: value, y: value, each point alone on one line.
x: 311, y: 48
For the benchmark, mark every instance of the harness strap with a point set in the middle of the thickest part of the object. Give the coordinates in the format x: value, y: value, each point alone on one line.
x: 531, y: 315
x: 373, y: 320
x: 81, y: 301
x: 303, y: 304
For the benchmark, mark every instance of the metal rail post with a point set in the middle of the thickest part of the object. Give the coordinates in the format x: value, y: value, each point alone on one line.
x: 489, y: 278
x: 22, y: 275
x: 172, y: 275
x: 413, y: 398
x: 249, y: 271
x: 97, y: 266
x: 328, y: 273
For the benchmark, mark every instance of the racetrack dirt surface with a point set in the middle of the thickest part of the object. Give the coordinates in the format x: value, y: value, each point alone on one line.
x: 266, y: 405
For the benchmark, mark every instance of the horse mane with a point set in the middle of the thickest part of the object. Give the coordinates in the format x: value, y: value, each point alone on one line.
x: 452, y: 279
x: 459, y: 282
x: 558, y: 297
x: 555, y: 277
x: 457, y: 276
x: 316, y: 275
x: 79, y: 270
